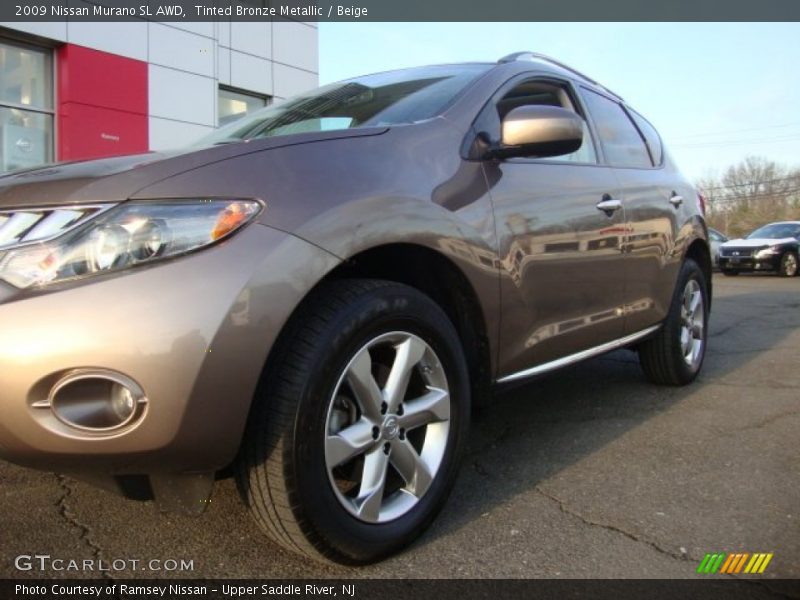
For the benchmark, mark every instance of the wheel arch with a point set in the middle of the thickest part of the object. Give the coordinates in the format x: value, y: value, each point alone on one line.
x: 440, y: 279
x: 446, y: 284
x: 700, y: 252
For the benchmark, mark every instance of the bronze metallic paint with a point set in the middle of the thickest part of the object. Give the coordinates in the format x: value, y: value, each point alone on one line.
x: 553, y: 274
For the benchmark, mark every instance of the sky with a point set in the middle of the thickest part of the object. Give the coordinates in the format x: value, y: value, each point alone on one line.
x: 716, y: 92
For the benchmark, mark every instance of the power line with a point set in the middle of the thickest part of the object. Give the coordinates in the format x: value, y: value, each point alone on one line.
x: 773, y: 140
x: 749, y: 183
x: 695, y: 135
x: 728, y: 199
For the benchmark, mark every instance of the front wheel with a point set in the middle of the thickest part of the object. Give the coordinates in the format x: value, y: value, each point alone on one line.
x: 355, y: 439
x: 674, y: 356
x: 788, y: 265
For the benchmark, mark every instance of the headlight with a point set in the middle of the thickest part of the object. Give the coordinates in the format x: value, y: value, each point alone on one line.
x: 767, y: 252
x: 131, y: 234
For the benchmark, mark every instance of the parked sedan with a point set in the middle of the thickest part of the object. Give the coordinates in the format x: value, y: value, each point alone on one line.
x: 716, y: 239
x: 316, y: 295
x: 774, y: 247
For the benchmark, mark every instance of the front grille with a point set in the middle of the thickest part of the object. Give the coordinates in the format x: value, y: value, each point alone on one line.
x: 18, y: 227
x: 736, y: 252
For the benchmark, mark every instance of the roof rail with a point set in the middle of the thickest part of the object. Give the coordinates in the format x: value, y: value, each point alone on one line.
x: 534, y: 56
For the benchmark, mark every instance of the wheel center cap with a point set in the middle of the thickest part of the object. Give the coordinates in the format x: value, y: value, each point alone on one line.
x: 390, y: 428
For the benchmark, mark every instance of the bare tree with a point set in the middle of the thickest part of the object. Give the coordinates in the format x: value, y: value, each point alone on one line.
x: 753, y: 192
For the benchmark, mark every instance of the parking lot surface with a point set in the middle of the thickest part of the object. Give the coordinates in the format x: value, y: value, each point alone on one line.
x: 587, y: 472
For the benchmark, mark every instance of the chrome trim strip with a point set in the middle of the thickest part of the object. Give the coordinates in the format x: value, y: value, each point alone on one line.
x: 578, y: 356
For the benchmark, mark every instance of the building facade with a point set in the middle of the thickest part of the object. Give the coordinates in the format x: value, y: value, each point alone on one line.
x: 77, y: 90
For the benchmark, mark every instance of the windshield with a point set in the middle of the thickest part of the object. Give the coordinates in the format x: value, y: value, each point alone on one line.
x: 776, y: 231
x: 391, y: 98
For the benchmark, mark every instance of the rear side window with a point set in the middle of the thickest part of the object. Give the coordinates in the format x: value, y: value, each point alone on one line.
x: 651, y: 137
x: 623, y: 145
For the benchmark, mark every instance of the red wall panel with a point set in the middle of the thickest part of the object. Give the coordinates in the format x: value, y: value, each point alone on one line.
x: 102, y: 104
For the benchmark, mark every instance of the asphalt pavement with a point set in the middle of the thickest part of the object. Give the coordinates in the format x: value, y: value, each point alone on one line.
x: 590, y: 472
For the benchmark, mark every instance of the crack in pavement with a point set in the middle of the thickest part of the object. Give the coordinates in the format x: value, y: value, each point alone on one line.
x: 71, y: 519
x: 746, y: 384
x: 769, y: 420
x: 686, y: 557
x: 491, y: 443
x: 723, y: 330
x: 751, y: 350
x: 681, y: 556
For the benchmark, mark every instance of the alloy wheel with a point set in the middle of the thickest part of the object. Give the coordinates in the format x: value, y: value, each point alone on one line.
x: 387, y: 427
x: 692, y: 323
x: 790, y: 265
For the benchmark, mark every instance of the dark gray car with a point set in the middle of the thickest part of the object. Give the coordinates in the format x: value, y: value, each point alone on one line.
x: 316, y: 295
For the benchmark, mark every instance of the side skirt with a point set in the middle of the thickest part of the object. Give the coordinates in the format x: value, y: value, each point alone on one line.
x: 579, y: 356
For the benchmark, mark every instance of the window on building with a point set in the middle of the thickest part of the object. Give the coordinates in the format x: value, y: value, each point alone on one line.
x: 623, y: 145
x: 26, y: 106
x: 234, y: 104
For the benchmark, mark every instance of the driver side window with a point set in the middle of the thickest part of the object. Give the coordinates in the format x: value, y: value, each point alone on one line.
x: 547, y: 93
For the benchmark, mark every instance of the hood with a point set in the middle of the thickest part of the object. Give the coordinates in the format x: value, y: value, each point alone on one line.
x: 758, y: 242
x: 117, y: 179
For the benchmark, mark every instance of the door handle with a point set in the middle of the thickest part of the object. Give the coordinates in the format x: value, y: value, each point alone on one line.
x: 676, y: 200
x: 609, y: 205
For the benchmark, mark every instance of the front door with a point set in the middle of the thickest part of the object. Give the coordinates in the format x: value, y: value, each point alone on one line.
x: 560, y: 229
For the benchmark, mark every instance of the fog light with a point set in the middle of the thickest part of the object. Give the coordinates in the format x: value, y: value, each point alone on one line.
x: 96, y: 401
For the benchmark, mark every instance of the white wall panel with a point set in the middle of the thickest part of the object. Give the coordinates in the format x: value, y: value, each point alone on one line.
x: 296, y: 44
x: 251, y: 73
x: 123, y: 38
x: 166, y: 134
x: 205, y: 28
x: 170, y: 47
x: 224, y: 65
x: 224, y: 33
x: 252, y: 38
x: 182, y: 96
x: 290, y: 81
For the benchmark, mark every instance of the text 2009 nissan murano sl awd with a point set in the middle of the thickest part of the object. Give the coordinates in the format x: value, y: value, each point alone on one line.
x: 316, y: 294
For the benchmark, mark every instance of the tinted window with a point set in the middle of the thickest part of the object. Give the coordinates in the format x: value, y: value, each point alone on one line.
x: 651, y: 137
x: 623, y: 145
x: 383, y: 99
x: 776, y: 231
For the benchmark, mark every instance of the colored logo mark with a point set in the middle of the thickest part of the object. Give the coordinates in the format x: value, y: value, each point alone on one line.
x: 742, y: 562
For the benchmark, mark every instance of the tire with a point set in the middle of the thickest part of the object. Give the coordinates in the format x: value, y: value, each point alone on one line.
x: 788, y: 265
x: 728, y: 273
x: 307, y: 418
x: 675, y: 355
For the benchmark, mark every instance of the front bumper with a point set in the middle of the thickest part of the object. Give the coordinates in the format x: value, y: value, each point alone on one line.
x: 749, y: 263
x: 193, y: 332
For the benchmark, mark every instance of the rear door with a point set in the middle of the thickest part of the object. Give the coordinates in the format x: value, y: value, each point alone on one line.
x: 653, y: 195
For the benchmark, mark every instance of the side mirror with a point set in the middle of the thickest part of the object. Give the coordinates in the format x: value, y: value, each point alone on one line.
x: 539, y: 131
